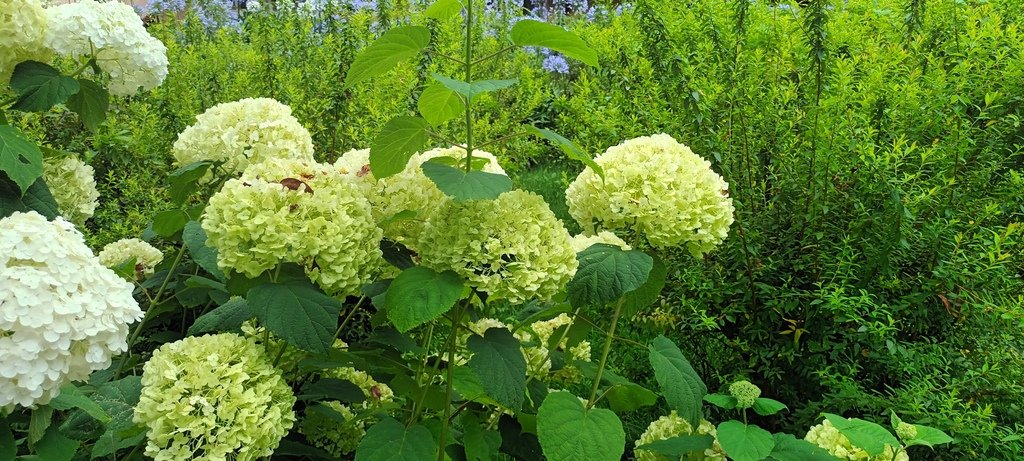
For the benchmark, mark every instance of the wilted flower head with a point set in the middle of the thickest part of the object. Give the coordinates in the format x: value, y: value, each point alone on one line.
x: 22, y: 30
x: 243, y: 132
x: 213, y: 397
x: 145, y: 255
x: 745, y: 393
x: 672, y: 425
x: 73, y: 187
x: 62, y: 314
x: 583, y: 241
x: 659, y: 187
x: 512, y: 247
x: 113, y: 33
x: 826, y: 436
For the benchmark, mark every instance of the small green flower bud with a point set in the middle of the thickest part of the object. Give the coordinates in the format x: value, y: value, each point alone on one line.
x: 745, y: 392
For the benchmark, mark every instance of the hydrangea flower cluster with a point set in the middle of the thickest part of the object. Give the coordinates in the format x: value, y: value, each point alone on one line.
x: 661, y: 188
x: 583, y: 241
x: 745, y: 393
x: 512, y: 247
x: 672, y: 425
x: 826, y: 436
x: 338, y: 438
x: 22, y: 30
x: 297, y: 211
x: 213, y: 397
x: 409, y: 190
x: 62, y: 314
x: 113, y: 33
x: 145, y: 255
x: 243, y: 132
x: 73, y: 187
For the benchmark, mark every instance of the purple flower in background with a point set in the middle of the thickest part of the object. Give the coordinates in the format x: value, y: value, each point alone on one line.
x: 556, y: 63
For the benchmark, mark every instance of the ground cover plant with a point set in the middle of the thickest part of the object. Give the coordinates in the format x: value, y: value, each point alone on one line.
x: 486, y: 230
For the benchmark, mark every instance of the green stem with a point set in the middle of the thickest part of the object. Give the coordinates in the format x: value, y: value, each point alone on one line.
x: 494, y: 54
x: 456, y: 322
x: 349, y: 316
x: 416, y: 405
x: 280, y: 352
x: 604, y: 353
x: 469, y: 101
x: 503, y: 138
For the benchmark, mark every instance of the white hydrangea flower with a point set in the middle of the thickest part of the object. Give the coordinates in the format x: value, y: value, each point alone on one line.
x: 22, y: 29
x: 62, y: 314
x: 243, y: 132
x: 583, y: 241
x: 146, y: 256
x: 673, y: 425
x: 73, y: 187
x: 113, y: 33
x: 826, y: 436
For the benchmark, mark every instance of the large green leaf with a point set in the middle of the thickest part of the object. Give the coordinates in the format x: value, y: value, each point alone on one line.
x: 529, y: 32
x: 90, y: 103
x: 606, y: 273
x: 40, y: 86
x: 924, y: 435
x: 183, y: 180
x: 298, y: 312
x: 472, y: 89
x: 789, y: 448
x: 481, y: 444
x: 20, y: 159
x: 400, y: 138
x: 629, y: 397
x: 568, y: 431
x: 390, y: 440
x: 443, y: 9
x: 438, y: 104
x: 55, y: 446
x: 118, y: 398
x: 680, y: 384
x: 419, y: 295
x: 475, y: 185
x: 204, y: 255
x: 37, y: 198
x: 768, y: 407
x: 499, y: 364
x: 643, y: 297
x: 70, y: 397
x: 742, y: 442
x: 8, y: 446
x: 865, y: 435
x: 169, y: 222
x: 568, y: 147
x: 227, y: 317
x: 396, y: 45
x: 675, y: 447
x: 333, y: 389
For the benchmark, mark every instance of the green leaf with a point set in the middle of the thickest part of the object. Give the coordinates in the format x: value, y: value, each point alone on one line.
x: 865, y: 435
x: 929, y: 437
x: 70, y: 397
x: 298, y: 312
x: 390, y: 440
x: 475, y: 185
x: 472, y: 89
x: 332, y: 389
x: 400, y: 138
x: 680, y: 384
x: 90, y: 103
x: 40, y: 87
x: 438, y: 104
x: 641, y: 298
x: 228, y: 317
x: 38, y: 423
x: 629, y: 397
x: 568, y: 147
x: 768, y: 407
x: 529, y: 32
x: 419, y: 295
x: 8, y: 446
x: 54, y: 446
x: 443, y: 9
x: 119, y: 398
x: 397, y: 254
x: 607, y: 272
x: 205, y: 256
x: 569, y: 431
x: 19, y: 158
x: 480, y: 444
x: 676, y: 447
x: 396, y: 45
x: 499, y: 364
x: 183, y: 180
x: 789, y: 448
x: 742, y: 442
x: 169, y: 222
x: 727, y: 402
x: 37, y: 198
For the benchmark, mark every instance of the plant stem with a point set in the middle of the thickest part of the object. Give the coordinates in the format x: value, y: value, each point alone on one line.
x: 503, y: 138
x: 456, y: 322
x: 280, y: 352
x: 349, y: 316
x: 494, y: 54
x: 604, y: 353
x: 469, y: 101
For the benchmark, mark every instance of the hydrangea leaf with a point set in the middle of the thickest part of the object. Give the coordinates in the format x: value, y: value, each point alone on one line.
x: 55, y: 446
x: 8, y: 446
x: 40, y: 86
x: 727, y: 402
x: 568, y: 430
x: 390, y: 440
x: 443, y: 9
x: 767, y: 407
x: 606, y: 273
x: 675, y: 447
x: 642, y: 297
x: 530, y: 32
x: 37, y: 198
x: 204, y: 255
x: 227, y: 317
x: 396, y: 45
x: 789, y: 448
x: 517, y: 442
x: 183, y: 180
x: 865, y: 435
x: 90, y: 103
x: 438, y: 104
x: 629, y: 397
x: 569, y: 148
x: 499, y: 364
x: 169, y: 222
x: 397, y: 254
x: 929, y: 436
x: 680, y: 384
x: 117, y: 399
x: 298, y: 312
x: 475, y: 88
x: 743, y: 442
x: 332, y: 389
x: 462, y: 186
x: 20, y: 159
x: 391, y: 150
x: 419, y: 295
x: 71, y: 397
x: 480, y: 444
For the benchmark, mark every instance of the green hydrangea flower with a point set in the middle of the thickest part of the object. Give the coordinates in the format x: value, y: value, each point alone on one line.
x: 826, y: 436
x: 583, y: 241
x: 672, y: 425
x: 906, y: 431
x: 745, y: 392
x: 340, y: 438
x: 73, y: 187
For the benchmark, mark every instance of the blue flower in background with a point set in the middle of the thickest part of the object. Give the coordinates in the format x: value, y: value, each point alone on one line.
x: 556, y: 63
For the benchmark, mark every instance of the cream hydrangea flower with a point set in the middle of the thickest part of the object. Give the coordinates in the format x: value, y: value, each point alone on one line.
x: 113, y: 33
x: 213, y: 397
x: 512, y: 247
x: 339, y: 438
x: 22, y: 29
x: 745, y: 393
x: 826, y: 436
x: 409, y: 190
x: 243, y: 132
x: 672, y: 425
x: 145, y: 255
x: 659, y: 186
x: 62, y: 314
x: 73, y: 187
x: 297, y: 211
x: 583, y: 241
